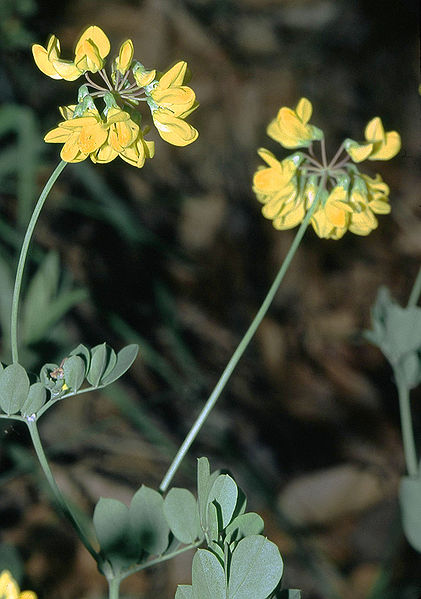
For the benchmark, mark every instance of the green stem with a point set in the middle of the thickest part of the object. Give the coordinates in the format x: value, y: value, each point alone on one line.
x: 242, y: 346
x: 407, y: 429
x: 416, y: 291
x: 22, y: 259
x: 159, y: 560
x: 114, y: 588
x: 33, y: 430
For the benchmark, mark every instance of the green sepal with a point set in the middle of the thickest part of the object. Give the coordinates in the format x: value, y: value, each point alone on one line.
x: 83, y: 91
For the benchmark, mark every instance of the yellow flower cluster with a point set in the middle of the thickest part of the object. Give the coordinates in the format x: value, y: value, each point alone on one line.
x: 116, y: 131
x: 9, y: 588
x: 340, y: 197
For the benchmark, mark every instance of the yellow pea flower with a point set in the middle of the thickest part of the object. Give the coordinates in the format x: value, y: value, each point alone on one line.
x: 125, y: 56
x: 138, y: 151
x: 44, y: 56
x: 81, y: 136
x: 331, y: 219
x: 9, y: 588
x: 173, y: 129
x: 378, y: 194
x: 379, y: 144
x: 290, y: 127
x: 122, y: 131
x: 142, y: 76
x: 276, y: 187
x: 170, y: 102
x: 91, y: 49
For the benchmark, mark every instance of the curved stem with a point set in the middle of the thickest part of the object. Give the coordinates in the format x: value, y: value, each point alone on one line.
x: 159, y: 560
x: 33, y: 430
x: 242, y: 346
x: 407, y: 428
x: 416, y: 291
x: 22, y: 259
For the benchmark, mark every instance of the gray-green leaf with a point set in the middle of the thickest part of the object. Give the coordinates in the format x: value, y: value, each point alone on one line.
x: 184, y: 591
x: 125, y: 359
x: 208, y: 576
x: 225, y: 493
x: 243, y: 526
x: 98, y: 364
x: 74, y: 372
x: 148, y: 526
x: 182, y: 514
x: 111, y: 519
x: 256, y: 568
x: 14, y: 388
x: 35, y: 400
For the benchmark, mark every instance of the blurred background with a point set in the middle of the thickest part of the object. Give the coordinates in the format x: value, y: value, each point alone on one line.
x: 177, y: 258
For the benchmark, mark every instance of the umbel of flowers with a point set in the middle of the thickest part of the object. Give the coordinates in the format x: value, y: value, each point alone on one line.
x: 115, y: 129
x: 348, y: 199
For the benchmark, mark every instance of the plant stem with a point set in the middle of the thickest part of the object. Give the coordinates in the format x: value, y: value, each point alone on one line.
x: 416, y: 291
x: 33, y: 430
x: 159, y: 560
x: 242, y: 346
x: 22, y: 258
x: 407, y: 429
x: 114, y: 588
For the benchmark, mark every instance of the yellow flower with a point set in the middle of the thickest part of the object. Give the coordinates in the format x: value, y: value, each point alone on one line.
x: 379, y: 144
x: 332, y: 217
x: 115, y: 131
x: 138, y: 151
x: 142, y: 76
x: 125, y: 139
x: 276, y: 187
x: 91, y: 49
x: 125, y: 56
x: 170, y: 102
x: 81, y: 136
x: 291, y: 128
x: 9, y: 588
x: 173, y: 129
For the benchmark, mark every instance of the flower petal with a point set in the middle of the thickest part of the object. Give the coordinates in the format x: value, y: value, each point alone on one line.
x: 97, y: 36
x: 40, y: 55
x: 389, y: 148
x: 304, y: 110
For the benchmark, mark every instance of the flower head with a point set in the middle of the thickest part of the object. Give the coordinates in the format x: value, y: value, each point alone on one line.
x: 379, y: 144
x: 336, y: 197
x: 115, y: 131
x: 291, y: 128
x: 9, y: 588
